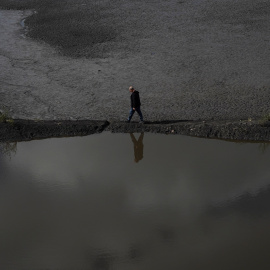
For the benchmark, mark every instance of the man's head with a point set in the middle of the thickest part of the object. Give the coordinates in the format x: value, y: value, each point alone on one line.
x: 131, y: 89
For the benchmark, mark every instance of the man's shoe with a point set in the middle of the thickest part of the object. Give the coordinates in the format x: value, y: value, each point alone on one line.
x: 141, y: 122
x: 128, y: 121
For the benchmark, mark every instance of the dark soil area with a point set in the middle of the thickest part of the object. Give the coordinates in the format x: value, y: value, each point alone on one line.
x: 23, y: 130
x: 75, y: 27
x: 227, y: 130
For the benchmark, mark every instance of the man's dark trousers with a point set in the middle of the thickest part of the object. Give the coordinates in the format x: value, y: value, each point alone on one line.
x: 138, y: 110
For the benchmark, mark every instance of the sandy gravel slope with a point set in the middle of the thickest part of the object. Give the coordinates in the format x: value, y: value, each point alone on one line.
x: 191, y: 60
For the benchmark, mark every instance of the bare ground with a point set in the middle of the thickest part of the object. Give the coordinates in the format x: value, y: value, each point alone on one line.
x: 190, y: 60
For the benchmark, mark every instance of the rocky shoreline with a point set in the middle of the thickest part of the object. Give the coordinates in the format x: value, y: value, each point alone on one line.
x: 238, y: 130
x: 26, y: 130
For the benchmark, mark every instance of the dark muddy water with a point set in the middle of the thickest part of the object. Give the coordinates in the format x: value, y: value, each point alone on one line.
x: 113, y: 201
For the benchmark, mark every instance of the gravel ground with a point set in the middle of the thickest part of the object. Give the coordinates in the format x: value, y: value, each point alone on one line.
x: 190, y: 60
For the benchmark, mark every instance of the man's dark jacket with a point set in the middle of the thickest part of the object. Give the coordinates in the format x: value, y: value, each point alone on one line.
x: 135, y: 99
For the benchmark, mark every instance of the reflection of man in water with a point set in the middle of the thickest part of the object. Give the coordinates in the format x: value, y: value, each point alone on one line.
x: 138, y: 147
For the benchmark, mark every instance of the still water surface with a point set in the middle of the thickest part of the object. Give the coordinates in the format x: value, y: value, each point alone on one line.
x: 123, y: 201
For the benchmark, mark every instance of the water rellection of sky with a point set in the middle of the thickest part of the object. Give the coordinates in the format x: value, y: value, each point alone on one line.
x: 134, y: 201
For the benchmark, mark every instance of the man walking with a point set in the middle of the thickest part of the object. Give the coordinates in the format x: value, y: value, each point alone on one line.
x: 135, y: 104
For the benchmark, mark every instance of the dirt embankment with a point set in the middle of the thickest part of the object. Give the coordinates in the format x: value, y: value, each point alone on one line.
x: 23, y: 130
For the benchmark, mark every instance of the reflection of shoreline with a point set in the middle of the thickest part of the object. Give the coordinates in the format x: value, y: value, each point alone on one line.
x: 138, y: 147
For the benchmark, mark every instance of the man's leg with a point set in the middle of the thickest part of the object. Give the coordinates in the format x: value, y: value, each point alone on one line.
x: 138, y: 110
x: 131, y: 112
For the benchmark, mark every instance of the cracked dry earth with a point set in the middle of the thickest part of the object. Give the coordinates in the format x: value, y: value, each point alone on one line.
x: 192, y: 60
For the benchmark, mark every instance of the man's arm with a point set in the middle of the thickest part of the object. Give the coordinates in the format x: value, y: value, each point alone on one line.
x: 132, y: 100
